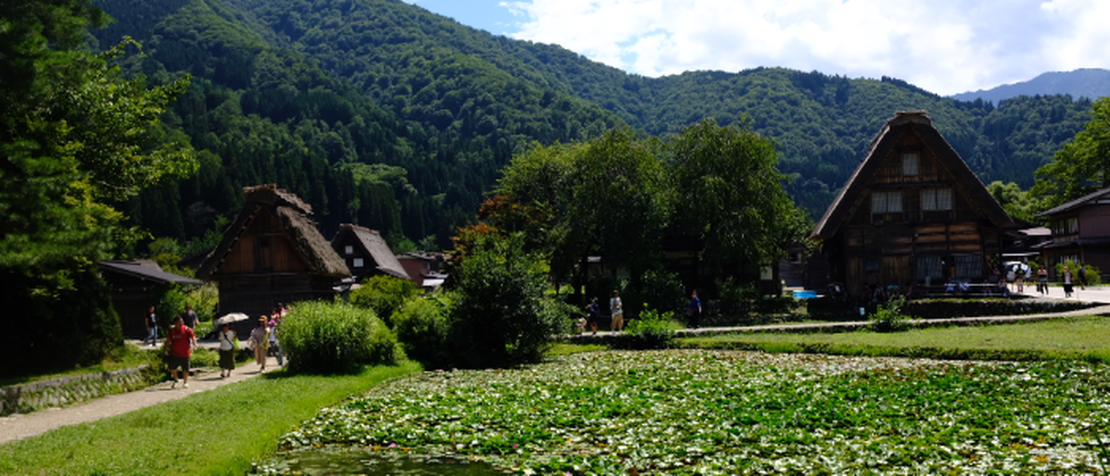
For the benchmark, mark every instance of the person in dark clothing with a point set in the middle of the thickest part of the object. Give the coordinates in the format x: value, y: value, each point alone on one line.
x: 694, y: 310
x: 594, y: 315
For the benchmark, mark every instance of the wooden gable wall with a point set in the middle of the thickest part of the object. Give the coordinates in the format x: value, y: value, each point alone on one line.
x: 884, y: 248
x: 263, y: 248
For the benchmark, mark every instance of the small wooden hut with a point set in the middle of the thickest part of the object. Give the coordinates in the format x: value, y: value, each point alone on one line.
x: 912, y: 214
x: 366, y: 253
x: 272, y: 253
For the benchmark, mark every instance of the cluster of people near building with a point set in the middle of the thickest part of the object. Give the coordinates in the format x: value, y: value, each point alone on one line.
x: 181, y: 341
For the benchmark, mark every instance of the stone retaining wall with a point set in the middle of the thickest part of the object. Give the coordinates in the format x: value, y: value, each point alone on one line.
x: 67, y: 390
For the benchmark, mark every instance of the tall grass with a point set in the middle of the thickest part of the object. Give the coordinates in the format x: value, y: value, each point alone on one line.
x: 216, y: 432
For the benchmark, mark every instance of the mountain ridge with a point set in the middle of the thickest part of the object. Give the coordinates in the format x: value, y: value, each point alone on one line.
x: 1090, y: 83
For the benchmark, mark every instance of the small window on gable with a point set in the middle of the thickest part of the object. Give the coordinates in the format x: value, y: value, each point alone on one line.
x: 886, y: 202
x: 357, y: 263
x: 909, y: 163
x: 871, y: 264
x: 349, y: 249
x: 936, y: 199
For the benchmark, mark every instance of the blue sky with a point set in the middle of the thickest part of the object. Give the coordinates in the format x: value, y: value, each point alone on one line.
x: 944, y: 46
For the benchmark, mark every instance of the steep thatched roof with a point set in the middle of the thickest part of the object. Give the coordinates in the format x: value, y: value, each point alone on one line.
x: 1099, y: 197
x: 295, y: 217
x: 376, y: 246
x: 917, y: 122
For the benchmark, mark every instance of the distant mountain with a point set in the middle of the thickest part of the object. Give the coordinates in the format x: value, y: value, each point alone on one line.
x: 1091, y: 83
x: 381, y: 113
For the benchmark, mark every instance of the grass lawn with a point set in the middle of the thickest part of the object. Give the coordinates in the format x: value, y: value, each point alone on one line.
x: 221, y: 431
x: 1079, y: 338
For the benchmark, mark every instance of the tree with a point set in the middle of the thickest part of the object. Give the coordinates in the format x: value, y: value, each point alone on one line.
x: 1082, y: 165
x: 1018, y: 203
x: 501, y: 317
x: 74, y: 137
x: 730, y: 194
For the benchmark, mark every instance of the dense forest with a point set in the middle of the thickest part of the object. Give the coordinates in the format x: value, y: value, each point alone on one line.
x: 383, y: 114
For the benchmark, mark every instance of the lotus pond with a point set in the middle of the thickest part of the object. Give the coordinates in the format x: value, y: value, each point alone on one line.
x: 708, y: 412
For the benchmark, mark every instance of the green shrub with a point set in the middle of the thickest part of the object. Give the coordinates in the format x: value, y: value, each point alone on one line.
x: 204, y: 300
x: 501, y: 317
x: 383, y: 294
x: 1092, y: 273
x: 169, y: 302
x: 656, y: 290
x: 889, y: 317
x: 423, y: 326
x: 325, y: 338
x: 652, y: 330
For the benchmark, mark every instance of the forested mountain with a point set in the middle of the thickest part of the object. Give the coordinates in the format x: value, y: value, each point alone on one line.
x: 381, y: 113
x: 1091, y: 83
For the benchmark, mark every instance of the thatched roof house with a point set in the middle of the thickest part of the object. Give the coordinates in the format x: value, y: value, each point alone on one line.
x: 272, y: 253
x: 366, y: 253
x: 913, y: 213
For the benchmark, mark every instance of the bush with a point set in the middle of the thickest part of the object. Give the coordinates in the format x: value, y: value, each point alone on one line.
x: 423, y: 326
x: 889, y: 317
x: 1092, y: 273
x: 204, y: 300
x: 169, y: 302
x: 335, y: 338
x: 651, y: 331
x: 656, y: 290
x: 501, y: 317
x: 383, y: 294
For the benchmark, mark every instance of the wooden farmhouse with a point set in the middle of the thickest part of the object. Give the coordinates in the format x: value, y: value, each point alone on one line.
x: 272, y: 253
x: 912, y: 214
x: 366, y: 253
x: 1080, y: 232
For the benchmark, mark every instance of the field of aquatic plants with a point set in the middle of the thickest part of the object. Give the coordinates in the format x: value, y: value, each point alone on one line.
x: 707, y: 412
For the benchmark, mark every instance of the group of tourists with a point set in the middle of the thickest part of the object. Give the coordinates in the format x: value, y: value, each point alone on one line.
x: 181, y: 341
x: 616, y: 309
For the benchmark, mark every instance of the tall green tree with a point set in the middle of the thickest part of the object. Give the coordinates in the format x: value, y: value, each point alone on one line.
x: 74, y: 137
x: 1082, y: 165
x: 730, y: 194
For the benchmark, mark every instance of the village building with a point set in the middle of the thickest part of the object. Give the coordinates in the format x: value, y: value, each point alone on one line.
x: 135, y: 287
x: 1080, y: 232
x: 913, y: 214
x: 425, y: 269
x: 272, y: 253
x: 366, y: 253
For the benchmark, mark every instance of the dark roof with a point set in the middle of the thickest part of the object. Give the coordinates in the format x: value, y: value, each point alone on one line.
x: 296, y: 221
x: 376, y: 246
x: 881, y: 145
x: 147, y: 271
x: 1077, y: 203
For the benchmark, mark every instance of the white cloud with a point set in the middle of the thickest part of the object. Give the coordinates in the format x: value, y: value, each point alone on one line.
x: 945, y: 47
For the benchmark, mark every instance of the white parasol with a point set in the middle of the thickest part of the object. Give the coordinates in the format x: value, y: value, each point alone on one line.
x: 228, y: 319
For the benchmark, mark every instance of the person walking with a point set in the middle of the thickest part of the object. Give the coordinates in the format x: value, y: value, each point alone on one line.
x: 151, y: 328
x: 693, y: 310
x: 191, y: 319
x: 1068, y: 289
x: 228, y: 341
x: 181, y: 341
x: 1081, y: 274
x: 618, y: 312
x: 260, y: 341
x: 1042, y: 280
x: 594, y: 315
x: 275, y: 344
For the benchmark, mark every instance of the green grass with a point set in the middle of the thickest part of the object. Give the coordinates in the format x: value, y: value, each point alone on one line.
x: 221, y: 431
x: 566, y: 349
x: 1079, y: 338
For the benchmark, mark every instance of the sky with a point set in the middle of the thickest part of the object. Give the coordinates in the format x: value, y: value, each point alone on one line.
x: 944, y: 46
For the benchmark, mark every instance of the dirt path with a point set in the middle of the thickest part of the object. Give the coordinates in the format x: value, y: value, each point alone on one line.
x: 18, y: 426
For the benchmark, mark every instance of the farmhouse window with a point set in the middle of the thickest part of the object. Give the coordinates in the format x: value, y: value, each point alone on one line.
x: 357, y: 263
x: 909, y: 164
x: 886, y: 202
x: 936, y: 199
x: 263, y: 255
x: 969, y: 266
x: 349, y: 249
x: 929, y: 267
x: 1068, y: 226
x: 872, y: 264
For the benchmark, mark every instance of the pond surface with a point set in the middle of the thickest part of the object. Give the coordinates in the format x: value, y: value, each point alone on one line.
x: 343, y: 461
